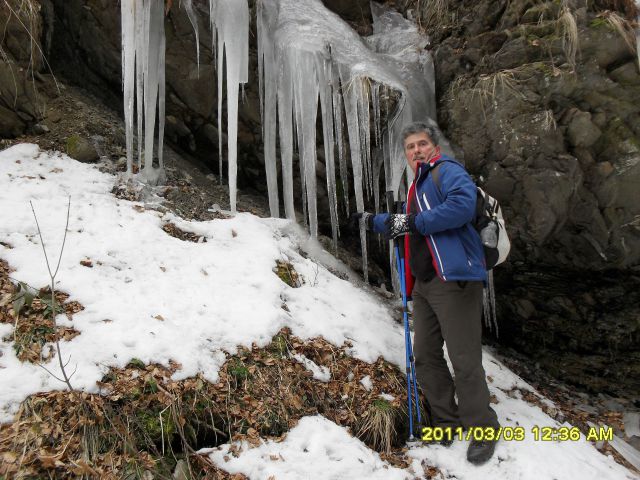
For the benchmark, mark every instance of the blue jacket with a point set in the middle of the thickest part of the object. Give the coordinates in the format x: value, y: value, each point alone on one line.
x: 446, y: 211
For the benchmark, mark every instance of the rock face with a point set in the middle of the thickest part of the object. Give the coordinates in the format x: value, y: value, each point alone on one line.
x: 549, y: 122
x: 21, y: 63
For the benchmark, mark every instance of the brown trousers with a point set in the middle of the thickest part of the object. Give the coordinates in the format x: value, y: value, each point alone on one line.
x: 451, y: 312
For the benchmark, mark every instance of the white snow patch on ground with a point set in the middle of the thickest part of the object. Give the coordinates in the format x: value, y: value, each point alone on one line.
x: 320, y: 372
x: 316, y: 448
x: 366, y: 383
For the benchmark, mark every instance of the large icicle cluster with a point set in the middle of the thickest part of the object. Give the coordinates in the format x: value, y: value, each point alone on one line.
x: 143, y: 50
x: 143, y: 67
x: 307, y: 53
x: 308, y: 58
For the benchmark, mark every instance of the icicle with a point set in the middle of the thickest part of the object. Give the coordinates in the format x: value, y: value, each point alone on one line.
x: 219, y: 68
x: 337, y: 117
x: 362, y: 94
x: 323, y: 68
x: 188, y: 6
x: 127, y: 14
x: 492, y: 300
x: 350, y: 97
x: 161, y: 105
x: 375, y: 102
x: 267, y: 76
x: 306, y: 97
x: 231, y: 20
x: 638, y: 31
x: 155, y: 12
x: 300, y: 142
x: 489, y: 304
x: 378, y: 160
x: 142, y: 33
x: 285, y: 122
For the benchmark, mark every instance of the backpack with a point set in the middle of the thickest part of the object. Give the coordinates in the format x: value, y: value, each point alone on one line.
x: 488, y: 221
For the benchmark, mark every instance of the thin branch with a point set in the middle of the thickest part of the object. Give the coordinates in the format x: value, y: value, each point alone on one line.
x: 50, y: 372
x: 46, y: 258
x: 64, y: 373
x: 64, y: 239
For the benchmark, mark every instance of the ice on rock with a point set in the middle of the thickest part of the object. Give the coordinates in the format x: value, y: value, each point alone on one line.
x: 308, y: 53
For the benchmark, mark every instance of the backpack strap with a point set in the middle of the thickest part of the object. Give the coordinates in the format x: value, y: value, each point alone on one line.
x: 435, y: 173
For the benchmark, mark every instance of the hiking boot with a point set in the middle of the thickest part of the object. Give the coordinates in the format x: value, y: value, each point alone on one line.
x: 480, y: 451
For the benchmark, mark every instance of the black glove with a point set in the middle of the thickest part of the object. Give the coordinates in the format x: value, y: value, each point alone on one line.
x: 399, y: 224
x: 354, y: 220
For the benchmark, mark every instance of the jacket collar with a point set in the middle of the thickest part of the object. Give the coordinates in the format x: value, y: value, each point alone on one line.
x: 427, y: 166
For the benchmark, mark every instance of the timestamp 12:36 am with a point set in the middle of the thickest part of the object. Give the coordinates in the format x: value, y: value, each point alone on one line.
x: 517, y: 434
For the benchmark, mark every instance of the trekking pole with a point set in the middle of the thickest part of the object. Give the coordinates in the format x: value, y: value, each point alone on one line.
x: 412, y: 387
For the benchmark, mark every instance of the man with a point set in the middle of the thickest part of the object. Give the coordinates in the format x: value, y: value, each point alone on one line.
x: 445, y: 279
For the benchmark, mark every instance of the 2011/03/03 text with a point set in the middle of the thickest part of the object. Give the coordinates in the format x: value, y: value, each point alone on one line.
x: 517, y: 434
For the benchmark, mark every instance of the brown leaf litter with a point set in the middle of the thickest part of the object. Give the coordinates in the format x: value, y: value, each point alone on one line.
x: 33, y: 325
x: 144, y: 420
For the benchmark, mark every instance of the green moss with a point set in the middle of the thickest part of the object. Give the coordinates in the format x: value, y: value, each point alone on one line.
x: 72, y: 144
x: 151, y: 386
x: 287, y: 274
x: 136, y: 363
x: 382, y: 405
x: 154, y: 428
x: 599, y: 22
x: 279, y: 345
x: 238, y: 370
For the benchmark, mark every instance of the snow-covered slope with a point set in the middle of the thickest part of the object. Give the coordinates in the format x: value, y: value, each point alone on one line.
x: 156, y: 298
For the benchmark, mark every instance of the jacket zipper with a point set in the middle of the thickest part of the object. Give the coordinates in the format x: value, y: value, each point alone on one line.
x: 435, y: 247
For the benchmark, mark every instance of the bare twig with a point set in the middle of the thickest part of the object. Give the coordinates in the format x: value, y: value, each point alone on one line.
x: 66, y: 378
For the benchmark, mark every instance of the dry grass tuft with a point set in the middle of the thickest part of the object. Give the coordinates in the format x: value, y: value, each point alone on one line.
x: 489, y: 87
x: 569, y: 31
x: 437, y: 12
x: 622, y: 26
x: 377, y: 427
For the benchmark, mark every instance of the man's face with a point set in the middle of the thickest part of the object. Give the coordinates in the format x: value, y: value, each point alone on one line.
x: 418, y: 147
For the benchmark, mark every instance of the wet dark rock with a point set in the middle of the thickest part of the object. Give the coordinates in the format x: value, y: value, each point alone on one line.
x: 82, y: 149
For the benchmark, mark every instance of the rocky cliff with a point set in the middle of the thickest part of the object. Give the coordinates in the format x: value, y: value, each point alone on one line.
x: 542, y: 100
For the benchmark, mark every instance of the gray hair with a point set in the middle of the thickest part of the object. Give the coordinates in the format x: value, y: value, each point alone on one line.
x: 420, y: 127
